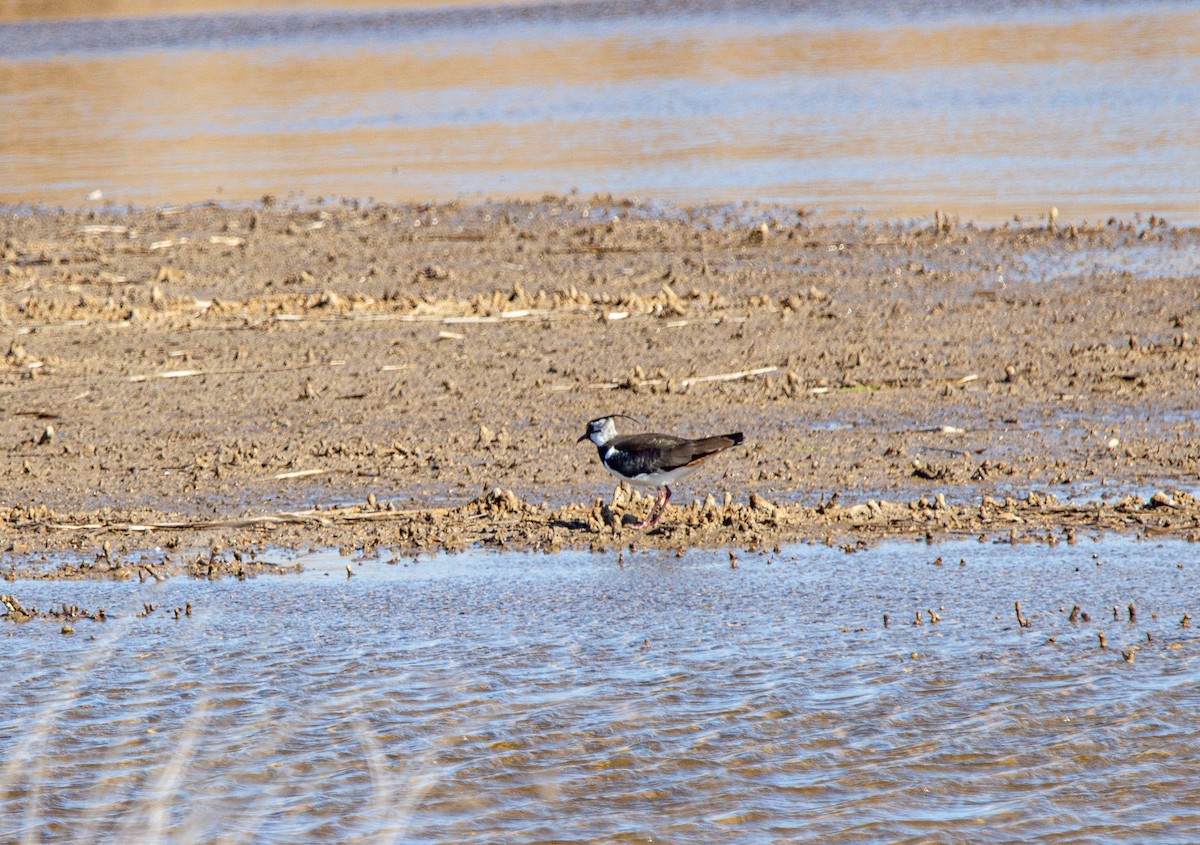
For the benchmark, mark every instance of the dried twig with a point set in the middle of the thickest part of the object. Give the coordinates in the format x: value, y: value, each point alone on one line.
x: 300, y: 473
x: 687, y: 382
x: 174, y: 374
x: 740, y: 374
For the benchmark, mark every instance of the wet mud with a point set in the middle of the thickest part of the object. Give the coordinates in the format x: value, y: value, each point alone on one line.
x: 183, y: 388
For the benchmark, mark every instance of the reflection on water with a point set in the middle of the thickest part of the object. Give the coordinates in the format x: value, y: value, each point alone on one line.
x: 574, y: 698
x: 868, y: 106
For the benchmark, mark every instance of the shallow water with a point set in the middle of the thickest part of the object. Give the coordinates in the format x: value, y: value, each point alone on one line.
x: 501, y: 697
x: 983, y: 110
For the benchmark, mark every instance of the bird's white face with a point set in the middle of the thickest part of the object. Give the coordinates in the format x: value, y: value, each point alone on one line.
x: 601, y: 430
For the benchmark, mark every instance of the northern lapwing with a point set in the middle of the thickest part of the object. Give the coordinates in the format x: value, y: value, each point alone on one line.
x: 652, y: 460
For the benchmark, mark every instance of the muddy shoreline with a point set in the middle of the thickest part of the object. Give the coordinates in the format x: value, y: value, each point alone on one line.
x: 184, y: 387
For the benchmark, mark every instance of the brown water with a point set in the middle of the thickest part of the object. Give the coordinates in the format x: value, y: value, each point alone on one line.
x: 578, y: 698
x: 984, y: 110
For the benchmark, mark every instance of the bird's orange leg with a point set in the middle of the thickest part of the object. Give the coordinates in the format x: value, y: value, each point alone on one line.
x: 660, y: 505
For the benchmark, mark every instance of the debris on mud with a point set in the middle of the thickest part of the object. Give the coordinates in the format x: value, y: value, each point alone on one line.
x: 500, y: 519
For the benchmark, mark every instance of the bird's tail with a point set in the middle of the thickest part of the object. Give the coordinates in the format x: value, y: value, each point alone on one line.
x: 711, y: 445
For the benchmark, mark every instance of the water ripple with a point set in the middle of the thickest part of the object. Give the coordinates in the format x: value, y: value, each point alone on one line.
x: 486, y: 698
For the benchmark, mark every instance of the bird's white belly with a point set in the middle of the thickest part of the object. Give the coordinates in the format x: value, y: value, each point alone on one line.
x: 651, y: 480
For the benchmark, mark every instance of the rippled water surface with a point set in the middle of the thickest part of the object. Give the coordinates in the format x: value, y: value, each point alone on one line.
x: 982, y: 109
x: 582, y: 698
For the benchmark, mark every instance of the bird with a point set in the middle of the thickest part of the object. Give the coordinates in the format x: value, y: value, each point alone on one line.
x: 652, y: 460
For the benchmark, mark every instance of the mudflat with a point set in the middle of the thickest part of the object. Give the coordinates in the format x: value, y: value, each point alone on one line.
x: 184, y: 387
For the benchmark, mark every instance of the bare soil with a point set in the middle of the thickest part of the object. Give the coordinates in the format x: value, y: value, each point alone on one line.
x: 184, y: 387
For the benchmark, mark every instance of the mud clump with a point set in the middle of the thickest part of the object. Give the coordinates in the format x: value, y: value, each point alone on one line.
x: 13, y: 611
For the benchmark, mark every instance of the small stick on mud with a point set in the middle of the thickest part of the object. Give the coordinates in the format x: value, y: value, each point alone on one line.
x: 1186, y: 621
x: 1103, y: 639
x: 1074, y: 617
x: 885, y: 620
x: 1132, y: 613
x: 740, y: 374
x: 687, y: 382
